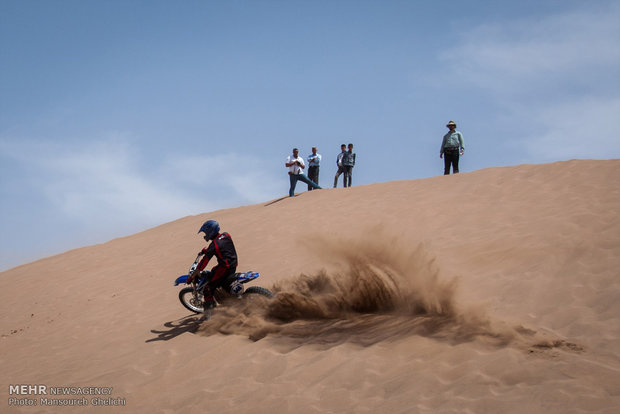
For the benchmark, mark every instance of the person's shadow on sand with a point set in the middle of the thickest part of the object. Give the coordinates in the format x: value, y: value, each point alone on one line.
x: 178, y: 327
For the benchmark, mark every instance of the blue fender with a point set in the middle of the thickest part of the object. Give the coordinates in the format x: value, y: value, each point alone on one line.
x: 181, y: 279
x: 247, y: 276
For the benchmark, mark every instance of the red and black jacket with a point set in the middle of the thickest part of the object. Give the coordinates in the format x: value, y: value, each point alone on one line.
x: 224, y: 249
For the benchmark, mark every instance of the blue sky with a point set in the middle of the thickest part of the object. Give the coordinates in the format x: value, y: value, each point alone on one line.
x: 119, y: 115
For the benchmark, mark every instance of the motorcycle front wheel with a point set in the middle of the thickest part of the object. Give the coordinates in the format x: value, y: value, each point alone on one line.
x: 186, y: 296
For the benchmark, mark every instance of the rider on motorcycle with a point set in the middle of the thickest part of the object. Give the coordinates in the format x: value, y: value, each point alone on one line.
x: 221, y: 246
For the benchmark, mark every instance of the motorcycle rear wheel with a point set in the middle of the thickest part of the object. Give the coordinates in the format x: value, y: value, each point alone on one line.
x: 257, y: 290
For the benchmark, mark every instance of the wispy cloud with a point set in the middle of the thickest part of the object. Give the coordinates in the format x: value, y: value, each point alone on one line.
x: 108, y: 188
x: 581, y: 128
x: 225, y: 179
x: 525, y: 55
x: 557, y: 76
x: 110, y: 177
x: 97, y: 180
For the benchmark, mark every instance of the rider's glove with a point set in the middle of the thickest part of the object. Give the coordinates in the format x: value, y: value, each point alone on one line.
x: 195, y: 275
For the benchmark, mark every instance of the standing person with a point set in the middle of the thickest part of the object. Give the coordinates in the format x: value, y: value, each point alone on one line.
x: 314, y: 162
x: 348, y: 162
x: 296, y: 166
x: 343, y: 150
x: 451, y: 147
x: 223, y: 248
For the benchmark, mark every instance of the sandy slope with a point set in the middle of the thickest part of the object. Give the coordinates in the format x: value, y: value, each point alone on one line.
x: 496, y: 291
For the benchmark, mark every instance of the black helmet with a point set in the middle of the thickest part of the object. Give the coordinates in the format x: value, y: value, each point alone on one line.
x: 211, y: 228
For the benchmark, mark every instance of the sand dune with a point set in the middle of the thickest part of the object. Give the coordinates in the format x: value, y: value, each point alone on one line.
x: 496, y: 291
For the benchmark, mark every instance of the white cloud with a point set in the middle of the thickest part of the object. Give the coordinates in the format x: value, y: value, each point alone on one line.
x: 111, y: 183
x: 554, y: 81
x: 232, y: 178
x: 96, y: 180
x: 70, y: 195
x: 577, y: 129
x: 525, y: 55
x: 103, y: 180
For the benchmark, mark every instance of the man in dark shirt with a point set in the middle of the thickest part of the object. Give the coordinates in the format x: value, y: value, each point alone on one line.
x: 348, y: 162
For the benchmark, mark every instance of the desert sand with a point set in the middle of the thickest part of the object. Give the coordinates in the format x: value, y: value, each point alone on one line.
x: 494, y: 291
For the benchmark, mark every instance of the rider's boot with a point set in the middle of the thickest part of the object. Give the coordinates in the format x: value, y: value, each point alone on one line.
x: 208, y: 304
x: 207, y: 307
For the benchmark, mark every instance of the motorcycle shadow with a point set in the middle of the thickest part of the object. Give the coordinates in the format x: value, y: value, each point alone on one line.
x: 180, y: 326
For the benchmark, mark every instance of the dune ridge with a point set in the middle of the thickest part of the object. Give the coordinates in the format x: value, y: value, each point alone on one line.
x: 486, y: 292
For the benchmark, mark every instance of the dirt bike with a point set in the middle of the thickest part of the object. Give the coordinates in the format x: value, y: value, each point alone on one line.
x: 232, y: 287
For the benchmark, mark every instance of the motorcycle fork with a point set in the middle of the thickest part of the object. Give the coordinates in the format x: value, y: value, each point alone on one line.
x: 198, y: 296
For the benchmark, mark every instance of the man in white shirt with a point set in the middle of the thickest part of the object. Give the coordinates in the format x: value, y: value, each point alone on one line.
x: 314, y: 162
x: 296, y: 167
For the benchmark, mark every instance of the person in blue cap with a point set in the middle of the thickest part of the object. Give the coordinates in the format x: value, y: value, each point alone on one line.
x: 221, y: 247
